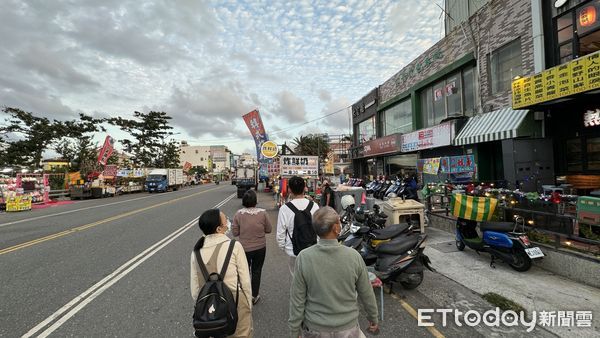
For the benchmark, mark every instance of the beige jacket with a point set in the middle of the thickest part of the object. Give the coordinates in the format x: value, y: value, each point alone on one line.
x: 238, y: 265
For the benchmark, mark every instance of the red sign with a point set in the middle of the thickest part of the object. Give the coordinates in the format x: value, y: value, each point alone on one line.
x: 187, y: 166
x: 110, y: 171
x: 107, y: 150
x: 383, y: 145
x: 257, y: 129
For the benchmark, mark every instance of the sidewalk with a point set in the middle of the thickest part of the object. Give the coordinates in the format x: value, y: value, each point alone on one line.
x: 536, y: 290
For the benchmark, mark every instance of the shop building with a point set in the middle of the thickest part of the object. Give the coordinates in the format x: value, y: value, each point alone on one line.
x: 452, y: 104
x: 566, y: 90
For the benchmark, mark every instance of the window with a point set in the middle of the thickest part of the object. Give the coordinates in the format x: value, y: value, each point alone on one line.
x: 593, y: 153
x: 505, y: 65
x: 574, y: 158
x: 397, y: 119
x: 469, y: 91
x: 366, y: 130
x: 452, y: 96
x: 577, y: 32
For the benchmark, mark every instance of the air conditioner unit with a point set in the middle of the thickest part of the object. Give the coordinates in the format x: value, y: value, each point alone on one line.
x: 538, y: 115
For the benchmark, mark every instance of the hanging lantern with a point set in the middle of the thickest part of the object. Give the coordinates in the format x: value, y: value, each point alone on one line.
x: 555, y: 197
x: 587, y: 16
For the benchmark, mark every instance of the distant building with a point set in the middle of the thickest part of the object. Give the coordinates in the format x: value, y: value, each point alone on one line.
x: 216, y: 159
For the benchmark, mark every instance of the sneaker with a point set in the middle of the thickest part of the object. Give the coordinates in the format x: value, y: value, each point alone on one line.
x: 255, y: 299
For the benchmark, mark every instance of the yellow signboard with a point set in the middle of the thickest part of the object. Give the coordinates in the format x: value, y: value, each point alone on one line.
x: 18, y: 203
x: 578, y: 76
x: 269, y: 149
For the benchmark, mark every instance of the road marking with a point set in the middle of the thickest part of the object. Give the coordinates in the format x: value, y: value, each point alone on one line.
x: 79, y: 302
x: 411, y: 310
x: 81, y: 209
x: 90, y: 225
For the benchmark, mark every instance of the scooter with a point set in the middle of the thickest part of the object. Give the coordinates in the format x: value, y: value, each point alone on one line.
x: 379, y: 194
x: 393, y: 189
x: 396, y: 252
x: 501, y: 239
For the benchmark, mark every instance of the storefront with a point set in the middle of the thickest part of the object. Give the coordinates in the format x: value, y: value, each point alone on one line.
x: 364, y: 113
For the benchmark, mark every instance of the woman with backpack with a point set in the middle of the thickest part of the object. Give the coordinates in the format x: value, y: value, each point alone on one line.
x: 251, y: 224
x: 215, y: 249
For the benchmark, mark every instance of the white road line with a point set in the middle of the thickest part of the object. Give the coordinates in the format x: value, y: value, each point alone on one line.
x: 79, y: 302
x: 81, y: 209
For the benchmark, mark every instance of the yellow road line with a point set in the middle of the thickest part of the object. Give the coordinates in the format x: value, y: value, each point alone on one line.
x: 90, y: 225
x: 411, y: 310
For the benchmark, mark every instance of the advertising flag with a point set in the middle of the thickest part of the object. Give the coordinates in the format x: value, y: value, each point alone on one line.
x: 107, y: 150
x: 257, y: 129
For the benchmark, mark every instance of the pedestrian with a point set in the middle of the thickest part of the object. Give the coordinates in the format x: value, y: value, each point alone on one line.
x: 285, y: 218
x: 214, y: 224
x: 327, y: 195
x: 251, y: 224
x: 329, y: 280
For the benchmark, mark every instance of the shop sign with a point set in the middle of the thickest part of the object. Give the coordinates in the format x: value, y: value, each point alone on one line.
x: 575, y: 77
x: 269, y: 149
x: 410, y: 71
x: 300, y: 166
x: 18, y: 203
x: 110, y: 171
x: 383, y: 145
x: 274, y: 168
x: 458, y: 164
x: 591, y: 118
x: 438, y: 136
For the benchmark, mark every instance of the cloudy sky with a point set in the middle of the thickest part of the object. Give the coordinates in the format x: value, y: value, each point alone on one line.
x: 206, y: 63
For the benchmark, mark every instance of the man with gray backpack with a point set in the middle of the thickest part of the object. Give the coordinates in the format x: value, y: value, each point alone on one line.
x: 294, y: 222
x: 220, y: 281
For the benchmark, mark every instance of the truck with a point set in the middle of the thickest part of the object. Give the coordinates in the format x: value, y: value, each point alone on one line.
x: 161, y: 180
x: 245, y: 179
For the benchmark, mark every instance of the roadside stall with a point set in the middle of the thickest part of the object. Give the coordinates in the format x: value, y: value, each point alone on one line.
x: 131, y: 180
x: 306, y: 167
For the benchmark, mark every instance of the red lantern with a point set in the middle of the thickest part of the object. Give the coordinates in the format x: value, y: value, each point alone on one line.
x: 587, y: 16
x: 555, y: 197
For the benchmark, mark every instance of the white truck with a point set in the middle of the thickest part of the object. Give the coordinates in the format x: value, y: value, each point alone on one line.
x: 161, y: 180
x: 245, y: 179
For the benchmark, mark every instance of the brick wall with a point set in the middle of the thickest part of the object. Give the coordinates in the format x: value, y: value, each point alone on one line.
x: 494, y: 25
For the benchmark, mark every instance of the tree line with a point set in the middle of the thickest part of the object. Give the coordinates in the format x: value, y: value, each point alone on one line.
x: 24, y: 137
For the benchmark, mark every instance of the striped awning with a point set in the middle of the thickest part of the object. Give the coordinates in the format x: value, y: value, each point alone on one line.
x: 493, y: 126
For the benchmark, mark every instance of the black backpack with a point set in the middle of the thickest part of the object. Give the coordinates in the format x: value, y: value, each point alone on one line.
x: 215, y: 313
x: 303, y: 235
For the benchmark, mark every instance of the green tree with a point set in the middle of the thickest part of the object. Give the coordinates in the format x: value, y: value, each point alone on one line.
x: 169, y: 157
x: 198, y: 170
x: 311, y: 145
x: 148, y: 132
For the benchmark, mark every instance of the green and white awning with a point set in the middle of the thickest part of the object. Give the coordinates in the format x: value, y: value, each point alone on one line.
x: 493, y: 126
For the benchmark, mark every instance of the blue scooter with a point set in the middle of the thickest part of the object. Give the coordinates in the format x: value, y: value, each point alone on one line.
x: 501, y: 240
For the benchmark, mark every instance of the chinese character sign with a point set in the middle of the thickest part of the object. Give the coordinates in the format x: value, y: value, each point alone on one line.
x: 299, y: 166
x: 257, y: 129
x: 106, y: 151
x: 591, y: 118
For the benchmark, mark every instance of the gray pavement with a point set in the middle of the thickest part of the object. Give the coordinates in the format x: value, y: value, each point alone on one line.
x: 121, y: 284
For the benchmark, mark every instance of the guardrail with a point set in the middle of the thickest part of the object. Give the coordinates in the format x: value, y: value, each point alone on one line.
x: 59, y: 193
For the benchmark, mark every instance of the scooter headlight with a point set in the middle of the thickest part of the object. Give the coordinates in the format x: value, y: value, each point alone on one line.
x: 354, y: 228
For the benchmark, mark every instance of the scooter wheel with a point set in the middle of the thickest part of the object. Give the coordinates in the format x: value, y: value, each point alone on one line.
x: 460, y: 245
x: 521, y: 262
x: 413, y: 282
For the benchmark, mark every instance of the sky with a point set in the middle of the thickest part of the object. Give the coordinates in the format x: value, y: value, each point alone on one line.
x: 206, y: 63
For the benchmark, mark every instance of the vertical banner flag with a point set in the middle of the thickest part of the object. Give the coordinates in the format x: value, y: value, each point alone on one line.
x: 107, y: 150
x: 257, y: 129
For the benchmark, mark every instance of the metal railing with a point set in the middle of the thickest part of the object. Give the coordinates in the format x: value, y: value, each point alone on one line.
x: 59, y: 193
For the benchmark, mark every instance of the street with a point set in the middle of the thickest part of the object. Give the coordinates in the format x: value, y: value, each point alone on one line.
x: 120, y: 267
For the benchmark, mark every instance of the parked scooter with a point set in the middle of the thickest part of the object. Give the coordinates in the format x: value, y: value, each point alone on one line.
x: 347, y: 216
x: 395, y: 251
x: 501, y: 239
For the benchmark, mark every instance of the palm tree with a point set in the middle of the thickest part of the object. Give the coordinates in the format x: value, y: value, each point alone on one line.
x: 311, y: 145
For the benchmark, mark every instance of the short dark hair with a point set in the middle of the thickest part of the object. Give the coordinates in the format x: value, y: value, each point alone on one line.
x: 209, y: 221
x: 249, y: 199
x: 296, y: 185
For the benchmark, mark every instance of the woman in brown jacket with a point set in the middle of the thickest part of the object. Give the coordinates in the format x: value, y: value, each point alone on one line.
x: 251, y: 224
x: 214, y: 224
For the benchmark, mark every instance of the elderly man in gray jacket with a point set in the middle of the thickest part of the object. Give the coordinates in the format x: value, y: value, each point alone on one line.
x: 329, y: 280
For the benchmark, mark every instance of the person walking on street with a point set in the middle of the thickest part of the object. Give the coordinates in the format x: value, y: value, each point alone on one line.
x: 213, y: 250
x: 285, y: 219
x: 327, y: 196
x: 251, y: 224
x: 329, y: 280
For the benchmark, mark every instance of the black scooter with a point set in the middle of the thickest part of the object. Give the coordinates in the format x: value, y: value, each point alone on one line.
x: 396, y: 252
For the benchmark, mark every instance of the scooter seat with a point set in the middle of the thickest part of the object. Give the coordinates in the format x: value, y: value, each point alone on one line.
x: 390, y: 231
x: 497, y: 226
x: 398, y: 245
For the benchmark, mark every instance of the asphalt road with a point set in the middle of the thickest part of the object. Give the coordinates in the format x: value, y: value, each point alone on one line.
x: 120, y: 267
